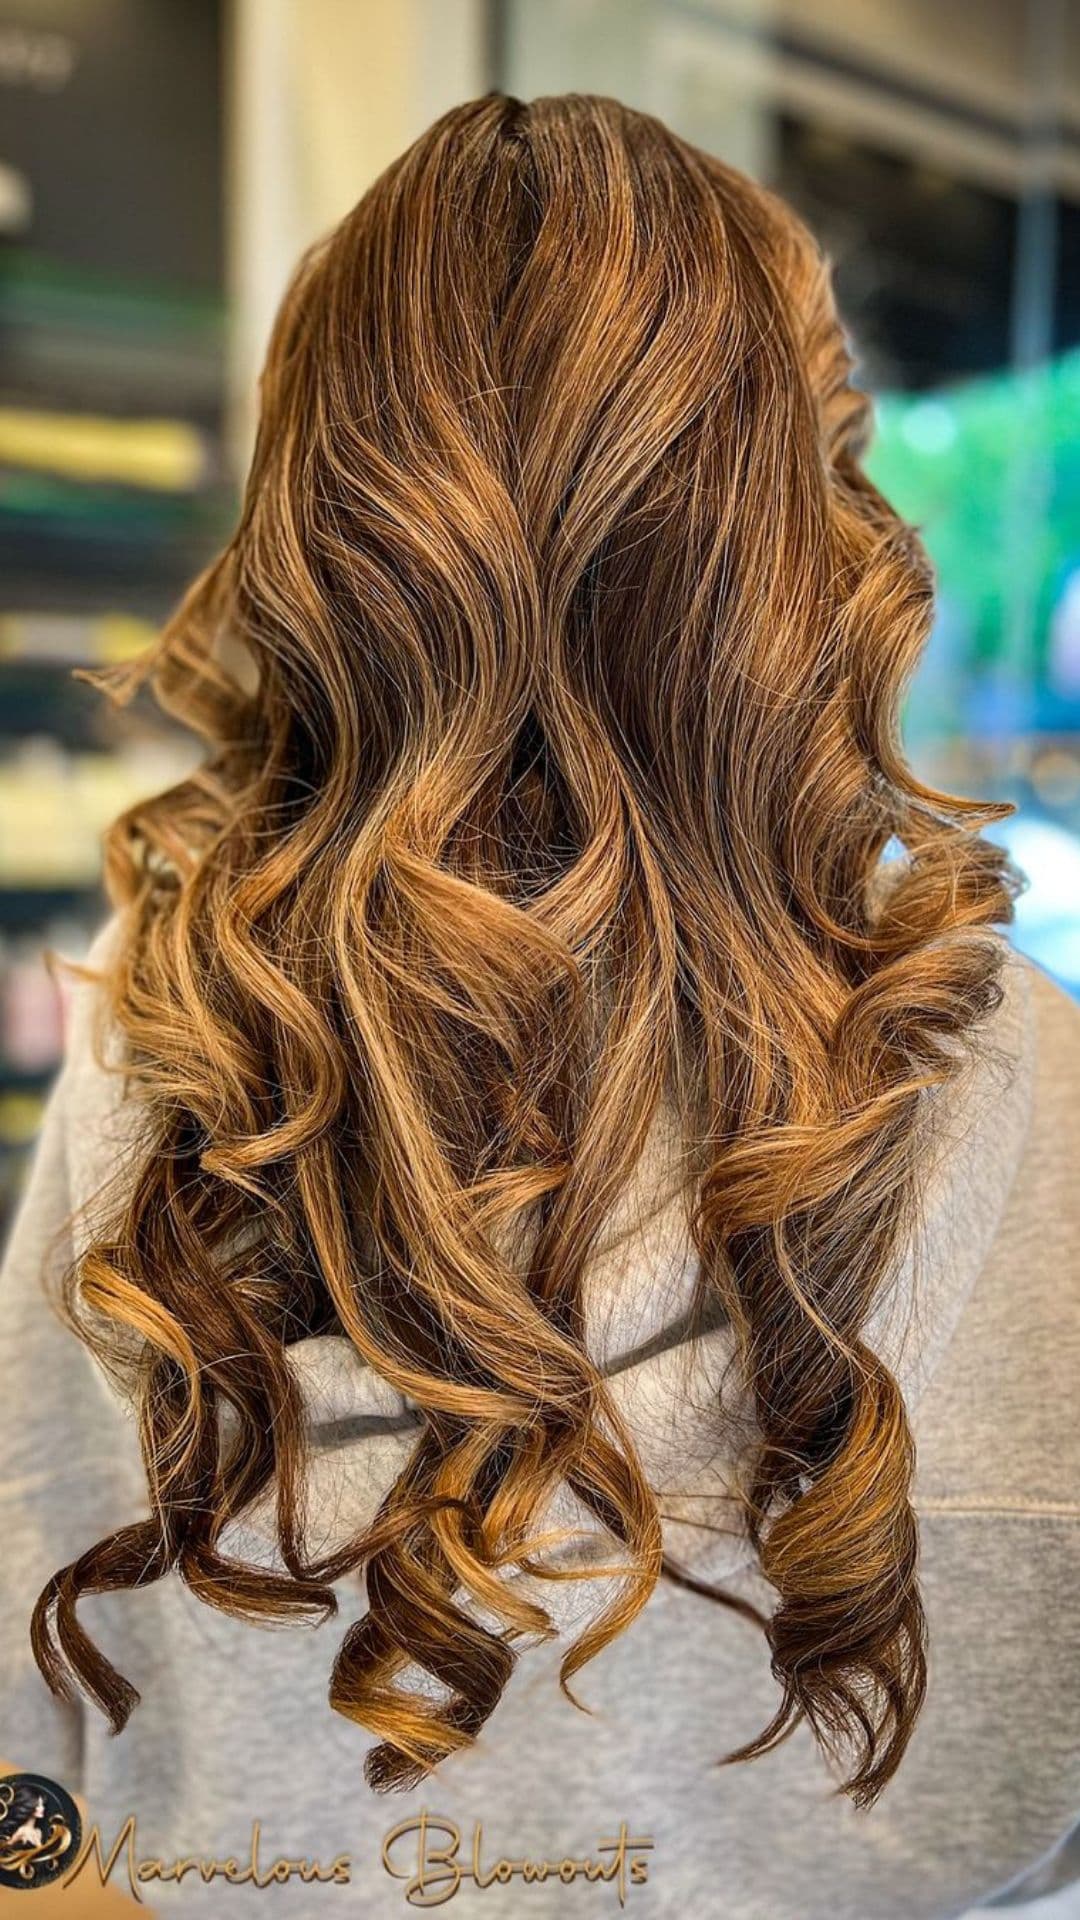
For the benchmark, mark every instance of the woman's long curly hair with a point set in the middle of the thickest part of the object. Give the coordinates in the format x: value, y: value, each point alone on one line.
x: 554, y: 789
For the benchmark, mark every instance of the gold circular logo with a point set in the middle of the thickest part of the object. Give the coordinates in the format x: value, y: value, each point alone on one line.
x: 40, y: 1830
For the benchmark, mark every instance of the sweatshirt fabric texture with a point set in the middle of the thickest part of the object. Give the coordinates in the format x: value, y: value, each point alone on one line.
x: 981, y: 1323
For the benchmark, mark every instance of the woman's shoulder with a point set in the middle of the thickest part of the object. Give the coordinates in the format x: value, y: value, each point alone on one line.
x: 999, y: 1429
x: 101, y: 1124
x: 1057, y: 1032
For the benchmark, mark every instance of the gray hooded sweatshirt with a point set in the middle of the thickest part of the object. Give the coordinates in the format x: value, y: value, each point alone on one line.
x: 235, y: 1755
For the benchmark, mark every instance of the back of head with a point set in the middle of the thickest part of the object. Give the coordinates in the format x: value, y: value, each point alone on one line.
x: 553, y: 792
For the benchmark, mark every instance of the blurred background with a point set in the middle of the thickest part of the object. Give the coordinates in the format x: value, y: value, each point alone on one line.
x: 162, y: 162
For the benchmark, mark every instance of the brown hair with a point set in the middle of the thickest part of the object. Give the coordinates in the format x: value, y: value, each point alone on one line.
x: 558, y: 789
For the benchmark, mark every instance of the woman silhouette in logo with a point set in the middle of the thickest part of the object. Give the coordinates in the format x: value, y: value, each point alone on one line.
x: 26, y: 1844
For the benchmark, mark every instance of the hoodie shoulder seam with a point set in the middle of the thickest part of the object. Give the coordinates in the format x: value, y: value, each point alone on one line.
x: 992, y: 1509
